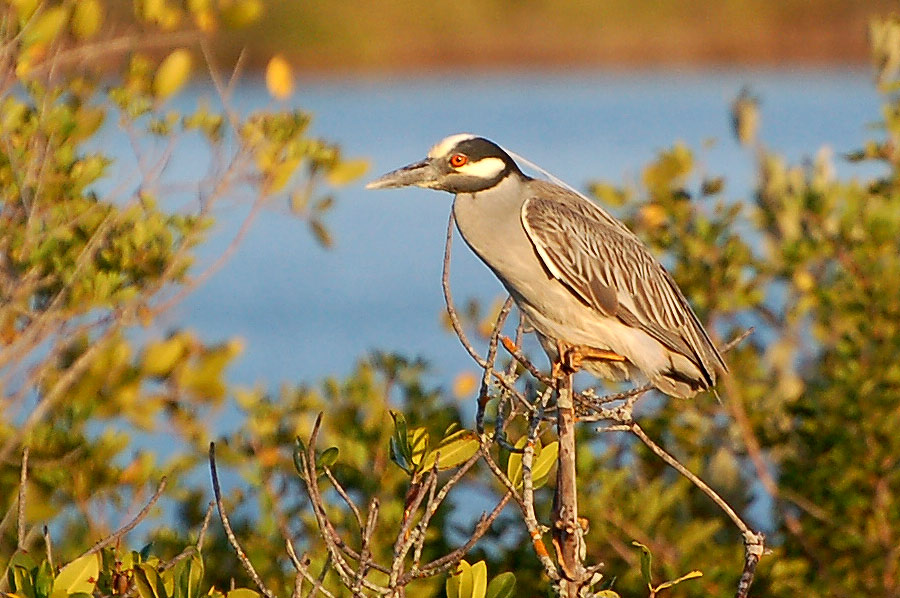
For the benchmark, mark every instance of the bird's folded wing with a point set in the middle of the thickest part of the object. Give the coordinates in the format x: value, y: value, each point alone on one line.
x: 609, y: 269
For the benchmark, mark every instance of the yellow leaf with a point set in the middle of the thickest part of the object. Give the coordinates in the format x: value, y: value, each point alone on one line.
x: 653, y: 215
x: 464, y: 385
x: 543, y: 463
x: 161, y: 357
x: 479, y: 579
x: 172, y: 73
x: 79, y: 576
x: 25, y: 8
x: 279, y: 78
x: 418, y: 440
x: 47, y: 26
x: 87, y: 18
x: 464, y: 575
x: 205, y: 21
x: 242, y: 13
x: 454, y: 450
x: 345, y: 172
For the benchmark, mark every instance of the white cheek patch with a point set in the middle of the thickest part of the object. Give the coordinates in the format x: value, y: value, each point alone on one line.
x: 486, y: 168
x: 443, y: 147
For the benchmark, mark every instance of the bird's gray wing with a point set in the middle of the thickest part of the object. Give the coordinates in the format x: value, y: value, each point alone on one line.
x: 608, y: 268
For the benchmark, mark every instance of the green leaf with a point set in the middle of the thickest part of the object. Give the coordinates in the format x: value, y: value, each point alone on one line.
x: 668, y: 584
x: 502, y: 586
x: 19, y: 573
x: 172, y: 73
x: 243, y: 593
x: 43, y: 580
x: 454, y: 450
x: 148, y: 582
x: 646, y: 562
x: 479, y: 579
x: 78, y: 576
x: 189, y: 575
x: 328, y: 457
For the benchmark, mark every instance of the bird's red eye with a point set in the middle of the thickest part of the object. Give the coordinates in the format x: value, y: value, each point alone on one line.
x: 457, y: 160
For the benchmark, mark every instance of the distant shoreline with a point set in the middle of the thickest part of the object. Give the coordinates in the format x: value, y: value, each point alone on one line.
x: 395, y: 38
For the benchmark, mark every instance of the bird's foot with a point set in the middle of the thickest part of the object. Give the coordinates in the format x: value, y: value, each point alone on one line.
x: 571, y: 358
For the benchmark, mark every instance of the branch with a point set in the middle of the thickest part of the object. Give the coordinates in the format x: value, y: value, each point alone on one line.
x: 754, y: 542
x: 115, y: 536
x: 242, y: 556
x: 20, y: 509
x: 566, y: 528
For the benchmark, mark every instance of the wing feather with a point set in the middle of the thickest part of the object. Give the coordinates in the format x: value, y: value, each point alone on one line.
x: 608, y: 268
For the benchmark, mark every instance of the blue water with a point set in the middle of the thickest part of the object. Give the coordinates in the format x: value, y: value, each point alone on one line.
x: 305, y: 312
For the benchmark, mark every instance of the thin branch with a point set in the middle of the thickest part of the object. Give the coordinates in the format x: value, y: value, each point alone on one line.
x: 343, y: 494
x: 302, y: 568
x: 196, y: 547
x: 242, y: 556
x: 531, y: 522
x: 48, y: 545
x: 483, y: 393
x: 132, y: 524
x: 448, y: 298
x: 20, y: 516
x: 449, y: 560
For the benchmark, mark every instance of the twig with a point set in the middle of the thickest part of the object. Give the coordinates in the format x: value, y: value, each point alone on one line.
x: 196, y: 547
x: 448, y: 298
x: 20, y: 509
x: 483, y: 395
x: 364, y: 552
x: 531, y: 522
x: 754, y: 542
x: 115, y: 536
x: 242, y: 557
x: 302, y: 568
x: 447, y: 561
x: 343, y: 494
x: 333, y: 541
x: 48, y: 545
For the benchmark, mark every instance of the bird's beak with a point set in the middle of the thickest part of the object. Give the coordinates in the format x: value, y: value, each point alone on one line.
x: 420, y: 174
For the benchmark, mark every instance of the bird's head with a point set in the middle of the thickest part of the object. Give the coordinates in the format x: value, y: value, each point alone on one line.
x: 458, y: 164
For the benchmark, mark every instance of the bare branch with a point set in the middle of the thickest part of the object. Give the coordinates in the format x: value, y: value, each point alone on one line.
x: 20, y: 517
x: 48, y: 545
x: 242, y: 556
x: 115, y: 536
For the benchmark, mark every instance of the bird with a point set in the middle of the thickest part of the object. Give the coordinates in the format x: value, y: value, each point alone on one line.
x: 591, y: 290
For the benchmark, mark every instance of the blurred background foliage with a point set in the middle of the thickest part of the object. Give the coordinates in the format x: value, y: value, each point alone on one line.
x: 804, y: 442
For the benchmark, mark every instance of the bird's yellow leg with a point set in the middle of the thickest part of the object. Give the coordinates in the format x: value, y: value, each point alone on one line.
x: 571, y: 357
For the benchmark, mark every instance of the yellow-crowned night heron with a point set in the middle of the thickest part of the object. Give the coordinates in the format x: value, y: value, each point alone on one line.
x: 588, y: 286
